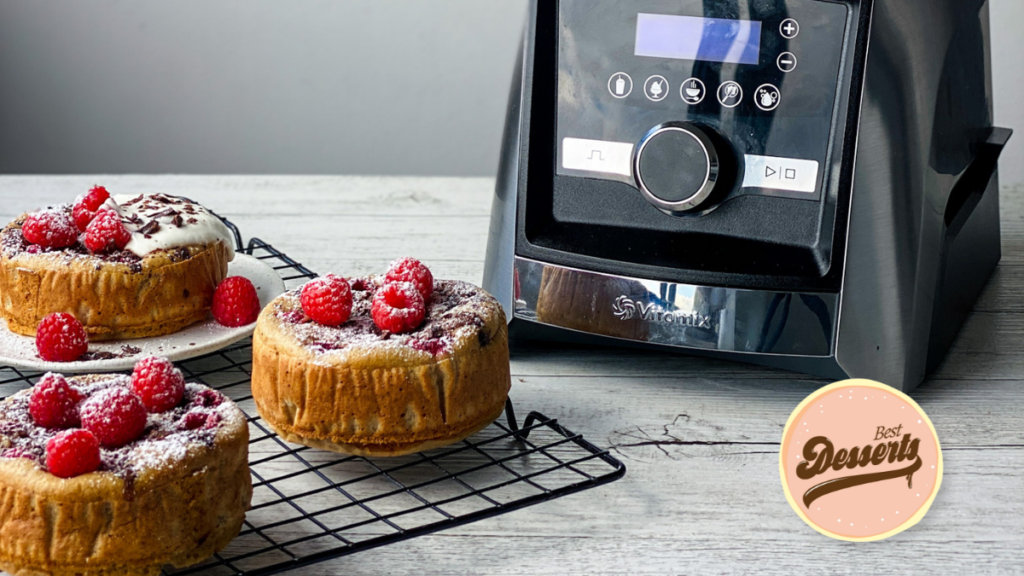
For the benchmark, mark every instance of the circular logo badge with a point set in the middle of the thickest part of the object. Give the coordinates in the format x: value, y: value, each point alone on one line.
x: 860, y: 461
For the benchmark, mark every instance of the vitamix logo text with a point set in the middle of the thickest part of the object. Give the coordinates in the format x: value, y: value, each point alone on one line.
x: 625, y: 308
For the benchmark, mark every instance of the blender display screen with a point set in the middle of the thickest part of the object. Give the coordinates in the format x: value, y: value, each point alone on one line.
x: 695, y: 38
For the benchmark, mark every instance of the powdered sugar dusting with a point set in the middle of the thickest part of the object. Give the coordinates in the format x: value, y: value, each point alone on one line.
x: 456, y: 310
x: 13, y: 245
x: 166, y: 442
x: 157, y: 222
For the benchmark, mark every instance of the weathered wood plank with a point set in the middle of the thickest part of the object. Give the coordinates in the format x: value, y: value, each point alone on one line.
x: 313, y: 197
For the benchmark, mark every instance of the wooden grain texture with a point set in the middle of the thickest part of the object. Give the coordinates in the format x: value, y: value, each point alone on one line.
x: 700, y: 437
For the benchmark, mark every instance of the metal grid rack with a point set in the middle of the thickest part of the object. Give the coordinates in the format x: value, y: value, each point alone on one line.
x: 310, y: 506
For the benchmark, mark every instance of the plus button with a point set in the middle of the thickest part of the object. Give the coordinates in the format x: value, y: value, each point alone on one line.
x: 790, y: 28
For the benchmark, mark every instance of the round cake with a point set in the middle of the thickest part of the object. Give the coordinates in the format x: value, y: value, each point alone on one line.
x: 176, y: 495
x: 161, y: 281
x: 361, y: 390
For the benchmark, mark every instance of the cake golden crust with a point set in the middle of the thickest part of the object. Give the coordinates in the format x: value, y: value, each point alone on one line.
x: 373, y: 394
x: 390, y: 450
x: 155, y: 295
x: 178, y: 505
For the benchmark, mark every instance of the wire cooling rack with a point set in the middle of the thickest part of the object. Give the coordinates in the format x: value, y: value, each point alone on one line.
x: 310, y: 506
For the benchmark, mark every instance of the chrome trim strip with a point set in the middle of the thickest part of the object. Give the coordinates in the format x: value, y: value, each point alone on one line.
x: 678, y: 315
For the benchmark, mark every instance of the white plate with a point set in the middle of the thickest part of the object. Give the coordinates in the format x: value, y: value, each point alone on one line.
x: 203, y: 338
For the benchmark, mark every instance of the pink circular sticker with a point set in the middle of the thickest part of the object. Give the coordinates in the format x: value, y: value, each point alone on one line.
x: 860, y: 461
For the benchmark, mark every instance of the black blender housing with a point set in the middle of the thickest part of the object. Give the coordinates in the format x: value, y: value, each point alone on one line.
x: 865, y: 264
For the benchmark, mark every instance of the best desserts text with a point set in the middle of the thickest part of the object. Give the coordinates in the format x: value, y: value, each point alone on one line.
x: 820, y: 456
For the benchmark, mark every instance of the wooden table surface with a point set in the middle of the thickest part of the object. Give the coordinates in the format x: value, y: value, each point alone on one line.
x: 700, y: 437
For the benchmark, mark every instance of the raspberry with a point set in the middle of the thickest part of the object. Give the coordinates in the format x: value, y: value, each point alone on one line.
x: 235, y: 302
x: 412, y: 270
x: 86, y: 206
x: 73, y: 453
x: 327, y: 300
x: 432, y: 347
x: 193, y: 421
x: 158, y: 384
x: 398, y: 307
x: 197, y: 420
x: 54, y: 403
x: 115, y: 416
x: 61, y: 338
x: 208, y: 399
x: 106, y: 233
x: 51, y: 228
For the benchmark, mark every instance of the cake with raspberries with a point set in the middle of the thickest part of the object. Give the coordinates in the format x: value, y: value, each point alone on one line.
x: 124, y: 266
x: 384, y: 365
x: 106, y: 475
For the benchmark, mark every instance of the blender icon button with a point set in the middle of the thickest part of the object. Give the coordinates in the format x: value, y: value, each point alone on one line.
x: 767, y: 97
x: 620, y: 85
x: 656, y: 88
x: 730, y: 94
x: 693, y: 91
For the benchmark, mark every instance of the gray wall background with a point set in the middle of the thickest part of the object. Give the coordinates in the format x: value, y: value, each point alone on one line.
x: 291, y: 86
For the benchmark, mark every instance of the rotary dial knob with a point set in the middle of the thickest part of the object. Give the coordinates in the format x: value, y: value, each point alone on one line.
x: 677, y: 167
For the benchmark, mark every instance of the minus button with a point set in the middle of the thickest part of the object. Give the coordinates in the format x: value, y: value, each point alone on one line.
x: 787, y: 62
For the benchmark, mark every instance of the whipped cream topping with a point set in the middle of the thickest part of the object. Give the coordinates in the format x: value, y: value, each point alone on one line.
x: 161, y: 222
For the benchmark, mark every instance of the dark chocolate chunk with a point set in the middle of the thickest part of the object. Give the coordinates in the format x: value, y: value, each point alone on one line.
x: 165, y: 212
x: 151, y: 227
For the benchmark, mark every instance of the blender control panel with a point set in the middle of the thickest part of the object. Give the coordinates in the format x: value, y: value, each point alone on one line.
x: 697, y: 102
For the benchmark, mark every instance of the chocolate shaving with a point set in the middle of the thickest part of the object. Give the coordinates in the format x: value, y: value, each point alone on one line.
x: 89, y: 356
x: 165, y: 212
x: 191, y: 221
x: 178, y: 221
x: 126, y: 351
x: 150, y: 227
